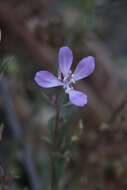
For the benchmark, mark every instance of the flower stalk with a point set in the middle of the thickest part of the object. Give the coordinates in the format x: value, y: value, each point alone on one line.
x: 54, y: 180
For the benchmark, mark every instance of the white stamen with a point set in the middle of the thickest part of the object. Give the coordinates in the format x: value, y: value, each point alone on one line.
x: 65, y: 78
x: 68, y: 81
x: 67, y: 90
x: 59, y: 76
x: 72, y: 80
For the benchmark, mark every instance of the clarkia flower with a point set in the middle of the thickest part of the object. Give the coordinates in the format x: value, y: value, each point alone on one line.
x: 66, y: 78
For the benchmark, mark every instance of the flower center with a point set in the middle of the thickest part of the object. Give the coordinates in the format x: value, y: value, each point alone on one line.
x: 68, y: 82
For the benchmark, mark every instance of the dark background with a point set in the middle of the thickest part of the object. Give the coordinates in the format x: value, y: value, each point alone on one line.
x: 32, y: 31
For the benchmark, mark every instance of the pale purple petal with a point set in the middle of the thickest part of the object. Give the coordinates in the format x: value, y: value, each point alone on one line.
x: 85, y: 67
x: 46, y: 79
x: 77, y: 98
x: 65, y: 58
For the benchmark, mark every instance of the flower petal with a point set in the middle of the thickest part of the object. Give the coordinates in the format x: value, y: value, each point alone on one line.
x: 65, y: 58
x: 85, y: 67
x: 46, y: 79
x: 77, y: 98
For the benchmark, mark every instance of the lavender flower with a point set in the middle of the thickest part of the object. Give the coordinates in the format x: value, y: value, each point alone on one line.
x: 66, y: 78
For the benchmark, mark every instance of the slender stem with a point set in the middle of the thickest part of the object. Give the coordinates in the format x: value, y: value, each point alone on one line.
x: 54, y: 178
x: 54, y: 182
x: 56, y: 127
x: 66, y: 105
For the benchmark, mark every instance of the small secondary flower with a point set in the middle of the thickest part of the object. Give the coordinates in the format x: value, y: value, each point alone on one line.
x: 66, y: 78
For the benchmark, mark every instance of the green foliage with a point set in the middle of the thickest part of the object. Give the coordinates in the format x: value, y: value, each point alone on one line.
x: 8, y: 65
x: 85, y: 5
x: 1, y: 131
x: 51, y: 124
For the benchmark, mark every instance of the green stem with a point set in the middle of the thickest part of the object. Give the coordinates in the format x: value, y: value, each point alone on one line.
x: 54, y: 184
x: 56, y: 128
x: 54, y: 180
x: 54, y: 177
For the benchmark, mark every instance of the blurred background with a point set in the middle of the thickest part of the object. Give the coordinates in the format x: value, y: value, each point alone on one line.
x: 32, y: 31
